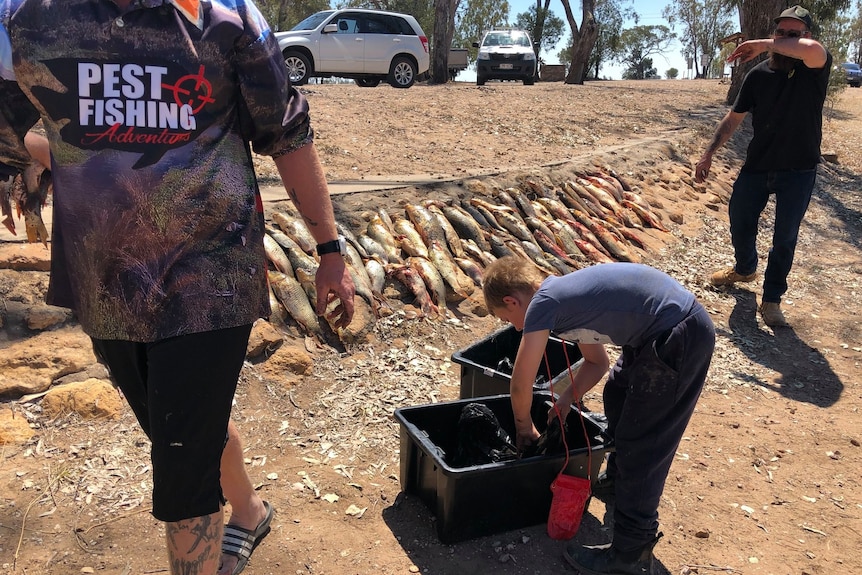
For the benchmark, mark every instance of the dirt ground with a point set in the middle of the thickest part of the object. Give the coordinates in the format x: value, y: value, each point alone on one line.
x: 766, y: 480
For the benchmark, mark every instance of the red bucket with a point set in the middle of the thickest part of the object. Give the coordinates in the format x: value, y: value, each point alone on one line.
x: 570, y: 496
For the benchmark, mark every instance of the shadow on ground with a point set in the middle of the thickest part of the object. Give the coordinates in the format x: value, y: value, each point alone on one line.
x: 805, y: 375
x: 525, y: 551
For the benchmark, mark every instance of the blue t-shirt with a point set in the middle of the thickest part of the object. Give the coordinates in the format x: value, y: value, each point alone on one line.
x: 619, y: 303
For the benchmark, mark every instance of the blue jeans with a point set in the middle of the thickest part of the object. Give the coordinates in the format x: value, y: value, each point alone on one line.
x: 751, y: 191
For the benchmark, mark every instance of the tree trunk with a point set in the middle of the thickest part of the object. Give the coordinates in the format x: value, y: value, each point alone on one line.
x: 539, y: 25
x: 756, y: 20
x: 444, y: 30
x: 584, y: 38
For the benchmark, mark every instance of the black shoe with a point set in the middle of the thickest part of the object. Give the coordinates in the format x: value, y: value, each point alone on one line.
x: 603, y: 486
x: 608, y: 560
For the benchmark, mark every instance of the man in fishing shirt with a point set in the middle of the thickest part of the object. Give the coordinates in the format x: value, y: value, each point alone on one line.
x: 667, y: 340
x: 785, y: 95
x: 151, y: 109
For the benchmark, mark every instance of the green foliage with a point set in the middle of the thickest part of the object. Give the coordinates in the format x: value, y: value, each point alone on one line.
x: 835, y: 34
x: 854, y: 35
x: 671, y: 74
x: 643, y: 71
x: 476, y: 16
x: 552, y: 30
x: 836, y: 86
x: 703, y: 24
x: 610, y: 16
x: 638, y: 45
x: 285, y: 14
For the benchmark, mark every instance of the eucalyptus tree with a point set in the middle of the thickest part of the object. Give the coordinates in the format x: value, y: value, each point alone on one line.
x: 703, y: 23
x: 545, y: 35
x: 584, y: 36
x: 610, y: 15
x: 637, y: 47
x: 441, y: 41
x: 854, y: 52
x: 476, y: 16
x: 285, y: 14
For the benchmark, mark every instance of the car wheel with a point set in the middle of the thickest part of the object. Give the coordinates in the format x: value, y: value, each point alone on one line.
x: 402, y: 72
x: 298, y: 68
x: 529, y: 80
x: 367, y: 82
x: 480, y: 80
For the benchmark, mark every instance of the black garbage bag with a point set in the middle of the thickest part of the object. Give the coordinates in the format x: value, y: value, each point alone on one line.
x: 481, y: 438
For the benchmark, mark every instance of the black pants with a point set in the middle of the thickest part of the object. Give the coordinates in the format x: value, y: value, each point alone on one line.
x: 181, y: 390
x: 649, y: 398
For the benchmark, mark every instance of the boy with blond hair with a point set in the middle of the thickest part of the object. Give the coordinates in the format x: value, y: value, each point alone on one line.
x: 667, y: 340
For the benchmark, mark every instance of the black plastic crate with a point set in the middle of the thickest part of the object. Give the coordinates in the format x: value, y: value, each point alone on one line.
x: 481, y: 373
x: 490, y: 498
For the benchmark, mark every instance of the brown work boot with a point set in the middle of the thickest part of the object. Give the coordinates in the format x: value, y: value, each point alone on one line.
x: 771, y: 313
x: 728, y: 276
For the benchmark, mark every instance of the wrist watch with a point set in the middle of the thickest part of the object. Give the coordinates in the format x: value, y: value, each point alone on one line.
x: 338, y: 245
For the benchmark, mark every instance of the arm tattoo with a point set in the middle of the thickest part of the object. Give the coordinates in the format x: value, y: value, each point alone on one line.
x: 295, y: 199
x: 722, y: 134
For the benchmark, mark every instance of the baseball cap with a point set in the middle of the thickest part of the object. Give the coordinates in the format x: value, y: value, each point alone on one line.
x: 796, y: 13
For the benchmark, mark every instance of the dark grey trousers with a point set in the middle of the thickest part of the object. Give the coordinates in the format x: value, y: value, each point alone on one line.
x: 649, y: 398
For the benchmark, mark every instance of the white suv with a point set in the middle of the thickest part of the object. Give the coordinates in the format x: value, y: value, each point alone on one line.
x: 365, y: 45
x: 505, y: 55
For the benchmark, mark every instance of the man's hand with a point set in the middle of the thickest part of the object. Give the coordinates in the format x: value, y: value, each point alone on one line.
x: 333, y: 282
x: 750, y: 50
x: 701, y: 169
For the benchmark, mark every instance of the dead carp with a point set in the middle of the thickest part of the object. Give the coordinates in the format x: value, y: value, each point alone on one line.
x: 28, y: 191
x: 297, y: 256
x: 483, y: 257
x: 453, y: 240
x: 411, y: 279
x: 296, y: 229
x: 456, y: 279
x: 646, y: 217
x: 409, y: 239
x: 466, y: 226
x: 434, y: 282
x: 426, y: 224
x: 276, y: 255
x: 293, y: 297
x: 380, y: 232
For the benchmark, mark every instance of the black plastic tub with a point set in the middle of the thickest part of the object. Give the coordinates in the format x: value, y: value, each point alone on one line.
x: 490, y: 498
x: 482, y: 364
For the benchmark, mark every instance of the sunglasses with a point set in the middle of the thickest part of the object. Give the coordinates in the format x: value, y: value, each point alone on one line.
x: 782, y: 33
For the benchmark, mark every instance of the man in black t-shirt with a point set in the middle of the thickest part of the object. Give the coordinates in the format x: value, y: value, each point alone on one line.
x: 785, y: 95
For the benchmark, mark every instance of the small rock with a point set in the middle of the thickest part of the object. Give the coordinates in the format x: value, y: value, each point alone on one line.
x: 14, y: 427
x: 413, y: 569
x: 702, y: 534
x: 41, y: 317
x: 91, y: 399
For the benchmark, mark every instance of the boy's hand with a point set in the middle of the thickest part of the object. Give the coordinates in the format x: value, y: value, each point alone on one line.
x: 526, y: 437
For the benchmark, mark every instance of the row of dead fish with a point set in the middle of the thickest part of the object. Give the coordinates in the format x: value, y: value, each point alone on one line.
x: 437, y: 250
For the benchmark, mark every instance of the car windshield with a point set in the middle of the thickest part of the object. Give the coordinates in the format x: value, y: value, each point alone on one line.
x: 313, y: 21
x: 850, y: 66
x: 507, y: 39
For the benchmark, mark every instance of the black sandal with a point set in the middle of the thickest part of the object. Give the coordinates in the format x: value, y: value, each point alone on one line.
x: 241, y: 542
